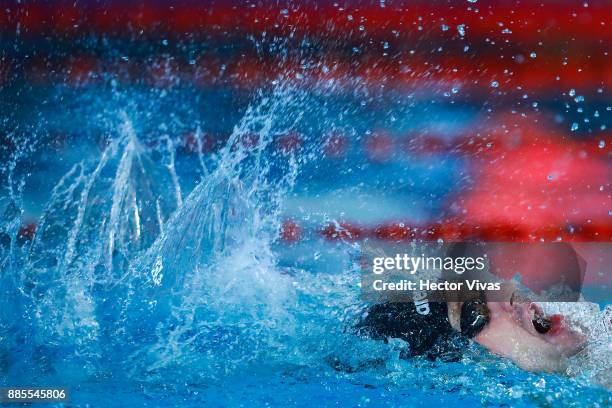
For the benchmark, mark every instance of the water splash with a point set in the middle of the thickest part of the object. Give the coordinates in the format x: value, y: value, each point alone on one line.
x: 135, y: 275
x: 594, y: 363
x: 89, y: 230
x: 212, y: 270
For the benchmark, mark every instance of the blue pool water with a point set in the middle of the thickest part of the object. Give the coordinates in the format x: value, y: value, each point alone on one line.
x: 157, y: 277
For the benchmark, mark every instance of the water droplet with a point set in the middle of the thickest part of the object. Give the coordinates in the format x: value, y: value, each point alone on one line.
x: 472, y: 1
x: 602, y: 144
x: 455, y: 90
x: 533, y: 55
x: 444, y: 27
x: 574, y: 127
x: 572, y: 92
x: 494, y: 84
x: 541, y: 383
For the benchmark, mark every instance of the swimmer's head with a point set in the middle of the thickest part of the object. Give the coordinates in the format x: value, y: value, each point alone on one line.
x: 513, y: 326
x: 518, y: 329
x: 507, y: 325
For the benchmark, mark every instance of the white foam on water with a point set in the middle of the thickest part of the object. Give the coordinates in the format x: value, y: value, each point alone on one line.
x: 594, y: 363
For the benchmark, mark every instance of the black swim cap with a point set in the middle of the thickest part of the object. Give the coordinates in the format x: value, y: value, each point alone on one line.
x: 427, y: 330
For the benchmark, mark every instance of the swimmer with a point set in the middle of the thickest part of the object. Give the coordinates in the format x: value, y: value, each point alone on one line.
x: 517, y: 329
x: 507, y: 323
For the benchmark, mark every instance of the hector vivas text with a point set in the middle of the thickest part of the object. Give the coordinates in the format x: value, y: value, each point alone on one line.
x: 407, y: 266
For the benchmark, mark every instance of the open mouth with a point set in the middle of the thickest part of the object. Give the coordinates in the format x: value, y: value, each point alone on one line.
x: 541, y: 323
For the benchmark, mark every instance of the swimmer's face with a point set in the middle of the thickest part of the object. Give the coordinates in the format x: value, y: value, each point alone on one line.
x: 514, y: 332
